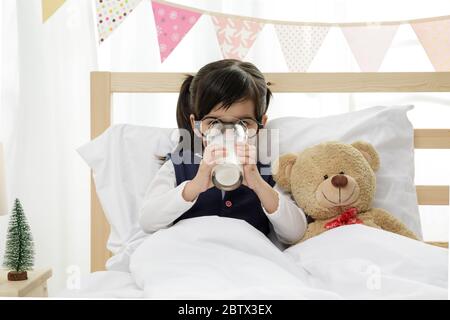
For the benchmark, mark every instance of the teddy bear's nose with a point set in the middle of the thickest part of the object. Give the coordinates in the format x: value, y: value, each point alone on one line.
x: 339, y: 181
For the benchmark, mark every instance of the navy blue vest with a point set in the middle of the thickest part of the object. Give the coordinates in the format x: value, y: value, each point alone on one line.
x: 241, y: 203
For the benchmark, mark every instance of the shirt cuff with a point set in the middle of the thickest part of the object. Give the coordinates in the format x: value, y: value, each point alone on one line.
x: 275, y: 216
x: 183, y: 204
x: 288, y: 220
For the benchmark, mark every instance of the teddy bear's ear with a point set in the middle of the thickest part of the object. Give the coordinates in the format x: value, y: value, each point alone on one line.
x: 369, y: 152
x: 281, y: 170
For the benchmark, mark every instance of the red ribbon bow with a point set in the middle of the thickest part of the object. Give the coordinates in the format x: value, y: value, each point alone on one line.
x: 345, y: 218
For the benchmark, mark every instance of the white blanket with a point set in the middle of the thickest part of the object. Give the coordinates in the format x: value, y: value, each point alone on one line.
x: 222, y: 258
x: 360, y: 262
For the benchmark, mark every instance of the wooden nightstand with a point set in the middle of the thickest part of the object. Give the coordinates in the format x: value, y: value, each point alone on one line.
x: 35, y: 286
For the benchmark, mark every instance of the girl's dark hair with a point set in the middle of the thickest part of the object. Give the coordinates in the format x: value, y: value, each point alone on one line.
x: 221, y: 82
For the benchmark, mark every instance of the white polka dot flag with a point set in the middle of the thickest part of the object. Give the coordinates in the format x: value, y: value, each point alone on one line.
x: 369, y: 44
x: 300, y: 44
x: 111, y: 13
x: 435, y: 38
x: 172, y: 24
x: 235, y: 36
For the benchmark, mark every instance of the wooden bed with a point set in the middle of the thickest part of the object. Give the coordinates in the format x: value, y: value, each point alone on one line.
x: 105, y: 84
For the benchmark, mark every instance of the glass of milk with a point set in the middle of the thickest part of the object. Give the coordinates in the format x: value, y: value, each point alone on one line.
x: 228, y: 174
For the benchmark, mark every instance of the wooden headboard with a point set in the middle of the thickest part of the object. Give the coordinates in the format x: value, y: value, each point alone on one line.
x: 105, y: 84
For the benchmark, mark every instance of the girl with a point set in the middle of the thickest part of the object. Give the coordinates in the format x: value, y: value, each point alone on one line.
x: 232, y: 91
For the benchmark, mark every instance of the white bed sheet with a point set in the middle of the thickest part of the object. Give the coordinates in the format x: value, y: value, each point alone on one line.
x: 105, y: 285
x: 223, y: 258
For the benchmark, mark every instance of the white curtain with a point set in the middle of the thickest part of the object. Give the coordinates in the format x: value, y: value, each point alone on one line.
x: 44, y: 110
x: 44, y: 117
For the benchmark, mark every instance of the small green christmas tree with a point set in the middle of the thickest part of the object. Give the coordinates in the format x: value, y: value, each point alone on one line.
x: 19, y: 252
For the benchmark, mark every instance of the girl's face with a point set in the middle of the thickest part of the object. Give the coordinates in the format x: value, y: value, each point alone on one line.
x: 241, y: 110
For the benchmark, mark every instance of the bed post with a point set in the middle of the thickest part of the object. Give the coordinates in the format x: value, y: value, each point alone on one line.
x: 100, y: 121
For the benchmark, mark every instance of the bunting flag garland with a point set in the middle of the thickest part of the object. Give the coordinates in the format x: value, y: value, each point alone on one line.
x: 300, y: 44
x: 235, y: 36
x: 172, y: 24
x: 435, y: 38
x: 49, y: 7
x: 111, y: 13
x: 369, y: 44
x: 299, y: 41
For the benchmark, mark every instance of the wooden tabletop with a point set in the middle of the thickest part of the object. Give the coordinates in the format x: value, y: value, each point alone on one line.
x: 22, y: 288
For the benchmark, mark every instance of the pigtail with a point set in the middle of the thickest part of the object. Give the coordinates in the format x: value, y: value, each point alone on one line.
x: 184, y: 107
x: 184, y: 110
x: 268, y: 97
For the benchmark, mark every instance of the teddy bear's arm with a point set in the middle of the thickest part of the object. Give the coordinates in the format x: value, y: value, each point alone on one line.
x: 314, y: 229
x: 390, y: 223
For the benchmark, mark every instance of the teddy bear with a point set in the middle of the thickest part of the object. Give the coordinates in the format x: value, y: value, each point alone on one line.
x: 334, y: 183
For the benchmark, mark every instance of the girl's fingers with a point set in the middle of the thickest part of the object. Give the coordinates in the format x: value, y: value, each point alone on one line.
x: 215, y: 160
x: 214, y: 151
x: 214, y: 147
x: 245, y: 153
x: 249, y: 151
x: 246, y: 160
x: 246, y: 146
x: 218, y: 153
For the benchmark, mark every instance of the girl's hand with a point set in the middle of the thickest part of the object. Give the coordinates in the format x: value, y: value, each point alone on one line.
x: 247, y: 156
x: 267, y: 195
x: 212, y: 155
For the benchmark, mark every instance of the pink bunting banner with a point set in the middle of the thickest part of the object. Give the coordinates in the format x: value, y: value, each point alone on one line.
x: 111, y: 13
x: 172, y: 24
x: 235, y: 36
x: 369, y: 44
x: 300, y: 44
x: 435, y: 39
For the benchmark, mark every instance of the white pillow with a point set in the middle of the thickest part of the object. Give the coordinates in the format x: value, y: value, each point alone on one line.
x: 387, y: 129
x: 123, y: 160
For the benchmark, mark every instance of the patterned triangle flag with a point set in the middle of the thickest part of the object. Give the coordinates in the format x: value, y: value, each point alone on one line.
x: 369, y: 44
x: 111, y: 13
x: 49, y: 7
x: 172, y: 24
x: 300, y: 44
x: 435, y: 39
x: 236, y: 36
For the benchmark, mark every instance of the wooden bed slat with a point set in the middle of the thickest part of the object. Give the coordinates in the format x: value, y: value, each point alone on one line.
x: 439, y: 244
x: 432, y: 138
x: 433, y: 195
x: 101, y: 102
x: 155, y: 82
x: 299, y: 82
x: 360, y: 82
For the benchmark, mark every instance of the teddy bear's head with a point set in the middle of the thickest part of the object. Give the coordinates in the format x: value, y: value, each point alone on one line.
x: 330, y: 177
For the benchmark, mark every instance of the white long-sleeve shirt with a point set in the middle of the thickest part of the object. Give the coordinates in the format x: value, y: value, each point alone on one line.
x: 164, y: 203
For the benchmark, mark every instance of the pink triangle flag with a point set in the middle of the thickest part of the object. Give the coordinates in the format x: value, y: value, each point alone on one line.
x: 435, y: 39
x: 300, y: 44
x: 111, y: 13
x: 369, y: 44
x: 236, y: 36
x: 172, y: 24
